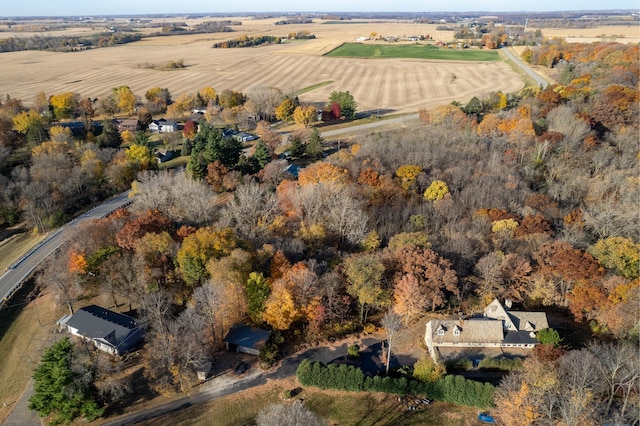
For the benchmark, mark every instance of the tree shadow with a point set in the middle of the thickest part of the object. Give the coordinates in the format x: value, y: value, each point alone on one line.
x: 140, y: 392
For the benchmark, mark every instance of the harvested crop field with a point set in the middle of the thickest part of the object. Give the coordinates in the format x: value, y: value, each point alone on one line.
x: 390, y: 85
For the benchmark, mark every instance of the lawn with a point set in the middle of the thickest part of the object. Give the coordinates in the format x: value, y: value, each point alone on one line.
x: 15, y: 246
x: 344, y: 408
x: 415, y: 51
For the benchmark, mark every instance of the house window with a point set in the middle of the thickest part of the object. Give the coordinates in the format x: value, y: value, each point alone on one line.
x: 441, y: 332
x: 456, y: 332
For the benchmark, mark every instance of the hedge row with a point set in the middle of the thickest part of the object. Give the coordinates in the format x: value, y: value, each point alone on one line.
x: 500, y: 363
x: 451, y: 388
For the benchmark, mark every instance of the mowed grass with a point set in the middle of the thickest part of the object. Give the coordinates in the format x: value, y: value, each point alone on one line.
x: 343, y: 408
x: 414, y: 51
x: 15, y: 246
x: 25, y: 329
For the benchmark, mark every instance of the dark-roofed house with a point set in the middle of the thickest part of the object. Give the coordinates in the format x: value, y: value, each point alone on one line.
x: 497, y: 328
x: 127, y: 124
x: 110, y: 331
x: 243, y: 338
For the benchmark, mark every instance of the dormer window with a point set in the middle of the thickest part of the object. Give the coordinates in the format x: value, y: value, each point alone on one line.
x: 456, y: 330
x: 440, y: 330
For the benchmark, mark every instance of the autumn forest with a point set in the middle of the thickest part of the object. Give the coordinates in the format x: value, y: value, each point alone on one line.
x: 530, y: 196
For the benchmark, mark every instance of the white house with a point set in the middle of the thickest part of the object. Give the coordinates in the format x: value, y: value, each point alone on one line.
x: 162, y: 126
x: 110, y: 331
x: 497, y: 328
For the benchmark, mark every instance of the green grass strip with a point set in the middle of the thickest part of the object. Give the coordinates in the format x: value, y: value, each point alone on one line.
x: 413, y: 51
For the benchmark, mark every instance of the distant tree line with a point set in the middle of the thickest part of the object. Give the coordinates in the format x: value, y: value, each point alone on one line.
x: 246, y: 41
x: 66, y: 43
x: 104, y: 39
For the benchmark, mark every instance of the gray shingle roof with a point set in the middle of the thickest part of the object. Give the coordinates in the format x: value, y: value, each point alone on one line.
x: 249, y: 337
x: 98, y: 323
x: 471, y: 331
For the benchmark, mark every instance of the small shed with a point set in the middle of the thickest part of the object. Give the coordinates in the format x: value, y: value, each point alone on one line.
x: 246, y: 339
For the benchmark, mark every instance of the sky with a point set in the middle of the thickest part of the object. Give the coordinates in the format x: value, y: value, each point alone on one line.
x: 134, y: 7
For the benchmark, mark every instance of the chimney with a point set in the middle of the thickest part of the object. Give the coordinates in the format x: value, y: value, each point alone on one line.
x: 507, y: 303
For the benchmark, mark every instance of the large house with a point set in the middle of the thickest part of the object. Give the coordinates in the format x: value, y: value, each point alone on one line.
x: 127, y: 124
x: 110, y: 331
x: 498, y: 327
x: 163, y: 126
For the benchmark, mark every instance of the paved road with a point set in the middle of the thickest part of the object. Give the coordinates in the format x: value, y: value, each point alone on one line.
x: 368, y: 126
x: 217, y: 388
x: 20, y: 269
x: 531, y: 73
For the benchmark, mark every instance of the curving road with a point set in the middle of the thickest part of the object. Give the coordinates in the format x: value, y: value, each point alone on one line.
x: 19, y: 270
x: 531, y: 73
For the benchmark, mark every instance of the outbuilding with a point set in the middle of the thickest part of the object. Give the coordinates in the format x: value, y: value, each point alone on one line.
x: 246, y: 339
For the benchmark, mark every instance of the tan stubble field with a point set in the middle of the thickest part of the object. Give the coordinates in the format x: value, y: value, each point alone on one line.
x: 390, y: 85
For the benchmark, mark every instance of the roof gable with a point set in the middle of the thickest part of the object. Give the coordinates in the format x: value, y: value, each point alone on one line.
x: 495, y: 310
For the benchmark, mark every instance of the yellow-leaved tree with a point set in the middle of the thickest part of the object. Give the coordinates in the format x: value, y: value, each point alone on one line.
x: 64, y: 104
x: 285, y: 110
x: 23, y: 121
x: 141, y: 155
x: 304, y: 115
x: 197, y: 248
x: 125, y: 98
x: 436, y: 191
x: 280, y: 309
x: 60, y: 134
x: 208, y: 94
x: 408, y: 174
x: 504, y: 227
x: 618, y: 253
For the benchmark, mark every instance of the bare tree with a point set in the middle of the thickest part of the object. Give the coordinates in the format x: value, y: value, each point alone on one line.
x: 579, y: 385
x: 167, y: 192
x: 251, y: 211
x: 392, y: 323
x: 619, y: 367
x: 56, y: 276
x: 265, y: 100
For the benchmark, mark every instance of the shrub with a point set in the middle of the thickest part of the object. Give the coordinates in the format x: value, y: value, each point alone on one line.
x: 460, y: 364
x: 427, y: 370
x: 549, y: 336
x: 500, y: 363
x: 353, y: 351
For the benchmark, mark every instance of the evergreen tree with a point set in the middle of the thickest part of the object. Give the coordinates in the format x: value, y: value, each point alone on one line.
x: 110, y: 136
x: 261, y: 154
x: 36, y: 133
x: 62, y: 389
x: 142, y: 139
x: 258, y: 291
x: 313, y: 149
x: 297, y: 146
